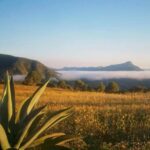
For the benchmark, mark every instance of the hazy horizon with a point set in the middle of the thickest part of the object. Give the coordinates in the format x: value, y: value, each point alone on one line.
x: 76, y: 33
x: 101, y: 75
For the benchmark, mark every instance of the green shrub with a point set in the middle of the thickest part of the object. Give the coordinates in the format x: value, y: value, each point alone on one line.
x: 62, y: 84
x: 80, y: 85
x: 33, y: 78
x: 101, y: 87
x: 26, y: 128
x: 112, y: 87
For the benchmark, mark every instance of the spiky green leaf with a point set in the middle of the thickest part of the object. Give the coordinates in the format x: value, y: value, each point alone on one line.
x: 4, y: 139
x: 25, y: 131
x: 41, y: 140
x: 9, y: 99
x: 50, y: 122
x: 28, y: 104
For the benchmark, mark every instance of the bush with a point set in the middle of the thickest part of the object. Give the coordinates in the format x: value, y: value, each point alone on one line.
x: 62, y: 84
x: 33, y: 78
x: 101, y: 87
x: 80, y: 85
x: 53, y: 84
x: 138, y: 88
x: 112, y: 87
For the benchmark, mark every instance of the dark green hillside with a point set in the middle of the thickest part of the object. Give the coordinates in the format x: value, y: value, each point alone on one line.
x: 22, y: 66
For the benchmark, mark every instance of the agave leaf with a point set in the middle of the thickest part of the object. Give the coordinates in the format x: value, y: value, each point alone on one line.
x: 25, y: 131
x: 36, y: 123
x: 54, y: 147
x: 31, y: 121
x: 49, y: 116
x: 28, y: 104
x: 12, y: 98
x: 7, y: 108
x: 50, y: 122
x: 12, y: 90
x: 3, y: 139
x: 4, y: 93
x: 19, y: 132
x: 9, y: 97
x: 2, y: 103
x: 41, y: 140
x: 59, y: 140
x: 20, y: 110
x: 64, y: 139
x: 30, y: 116
x: 33, y: 137
x: 36, y: 97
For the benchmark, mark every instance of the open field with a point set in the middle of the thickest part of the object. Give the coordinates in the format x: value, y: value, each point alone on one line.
x: 105, y: 121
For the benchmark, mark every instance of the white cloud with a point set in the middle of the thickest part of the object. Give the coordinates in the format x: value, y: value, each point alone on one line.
x: 99, y: 75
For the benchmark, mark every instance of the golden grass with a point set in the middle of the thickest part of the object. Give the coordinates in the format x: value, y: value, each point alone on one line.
x: 61, y: 96
x: 111, y: 121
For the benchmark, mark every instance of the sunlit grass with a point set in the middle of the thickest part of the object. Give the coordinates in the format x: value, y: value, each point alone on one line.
x: 105, y: 121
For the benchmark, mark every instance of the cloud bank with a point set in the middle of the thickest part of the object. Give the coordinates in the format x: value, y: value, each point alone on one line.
x: 19, y: 77
x: 100, y: 75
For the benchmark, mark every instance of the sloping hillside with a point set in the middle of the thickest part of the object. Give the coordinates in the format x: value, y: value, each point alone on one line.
x: 22, y: 66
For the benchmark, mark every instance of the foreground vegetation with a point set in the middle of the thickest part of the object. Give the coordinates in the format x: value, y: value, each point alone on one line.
x: 105, y: 121
x: 26, y: 127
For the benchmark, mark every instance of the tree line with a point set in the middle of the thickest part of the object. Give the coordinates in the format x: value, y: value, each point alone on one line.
x: 34, y: 78
x: 80, y: 85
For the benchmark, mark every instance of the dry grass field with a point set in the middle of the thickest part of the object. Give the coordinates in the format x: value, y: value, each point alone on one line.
x: 104, y: 121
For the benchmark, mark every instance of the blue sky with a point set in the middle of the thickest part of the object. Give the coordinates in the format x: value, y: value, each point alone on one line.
x: 76, y: 32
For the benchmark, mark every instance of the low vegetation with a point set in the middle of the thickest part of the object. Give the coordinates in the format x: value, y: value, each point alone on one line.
x: 25, y: 129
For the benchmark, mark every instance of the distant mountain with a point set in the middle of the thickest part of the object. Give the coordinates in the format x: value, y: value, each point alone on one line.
x: 147, y: 69
x: 22, y: 66
x: 127, y: 66
x: 81, y: 68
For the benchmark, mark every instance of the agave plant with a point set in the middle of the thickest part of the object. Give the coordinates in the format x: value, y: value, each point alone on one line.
x: 25, y: 128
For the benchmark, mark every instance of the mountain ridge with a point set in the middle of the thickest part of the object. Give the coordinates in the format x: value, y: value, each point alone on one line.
x: 126, y: 66
x: 22, y: 66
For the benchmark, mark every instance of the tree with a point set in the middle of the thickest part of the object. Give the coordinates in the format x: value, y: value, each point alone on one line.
x: 33, y: 78
x: 62, y: 84
x: 2, y: 76
x: 138, y: 88
x: 112, y: 87
x: 53, y: 84
x: 80, y: 85
x: 101, y: 87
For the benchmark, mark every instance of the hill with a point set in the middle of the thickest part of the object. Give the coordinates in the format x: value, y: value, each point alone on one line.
x: 80, y: 69
x: 127, y: 66
x: 22, y: 66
